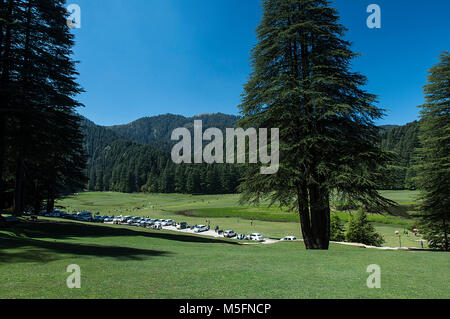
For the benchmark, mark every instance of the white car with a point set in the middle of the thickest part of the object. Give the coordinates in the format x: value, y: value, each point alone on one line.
x: 166, y: 222
x: 170, y: 222
x: 200, y: 228
x: 143, y: 222
x: 256, y: 237
x: 156, y: 226
x: 287, y: 238
x: 229, y: 234
x: 118, y: 220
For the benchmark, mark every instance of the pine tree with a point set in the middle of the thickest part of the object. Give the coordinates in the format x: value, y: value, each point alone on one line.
x: 360, y: 230
x: 302, y: 84
x: 337, y: 231
x: 434, y: 168
x: 38, y: 87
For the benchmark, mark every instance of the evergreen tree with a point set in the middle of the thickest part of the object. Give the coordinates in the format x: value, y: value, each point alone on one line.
x: 360, y: 230
x: 42, y: 137
x: 337, y: 231
x: 434, y: 169
x: 302, y: 84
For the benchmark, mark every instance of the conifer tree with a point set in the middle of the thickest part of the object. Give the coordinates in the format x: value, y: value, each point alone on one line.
x: 302, y: 84
x: 38, y: 91
x: 434, y: 158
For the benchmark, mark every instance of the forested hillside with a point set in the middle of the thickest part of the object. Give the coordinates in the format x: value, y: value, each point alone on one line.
x: 159, y: 129
x: 403, y: 140
x: 136, y: 157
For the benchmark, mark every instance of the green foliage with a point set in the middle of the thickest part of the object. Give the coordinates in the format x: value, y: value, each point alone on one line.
x: 302, y: 83
x: 433, y: 175
x: 433, y: 232
x: 403, y: 141
x: 41, y: 153
x: 337, y: 230
x: 360, y: 230
x: 213, y: 268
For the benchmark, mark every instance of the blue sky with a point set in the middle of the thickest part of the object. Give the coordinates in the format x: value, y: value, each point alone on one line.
x: 149, y: 57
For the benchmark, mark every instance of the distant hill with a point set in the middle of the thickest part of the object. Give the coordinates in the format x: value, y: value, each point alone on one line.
x: 136, y: 156
x: 387, y: 128
x: 149, y: 130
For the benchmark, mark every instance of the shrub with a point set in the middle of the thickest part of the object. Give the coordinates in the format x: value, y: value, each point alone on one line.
x: 433, y: 232
x: 360, y: 230
x: 337, y: 231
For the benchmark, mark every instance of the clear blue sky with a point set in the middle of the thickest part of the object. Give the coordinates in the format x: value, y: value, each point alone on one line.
x: 148, y: 57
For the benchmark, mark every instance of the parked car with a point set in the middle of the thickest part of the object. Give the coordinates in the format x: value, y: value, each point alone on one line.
x: 168, y: 222
x: 135, y: 221
x: 150, y: 222
x: 200, y: 228
x: 84, y: 216
x: 229, y: 234
x: 183, y: 225
x: 108, y: 219
x: 287, y: 238
x: 256, y: 237
x: 119, y: 220
x: 98, y: 219
x: 156, y: 226
x: 126, y: 219
x: 143, y: 222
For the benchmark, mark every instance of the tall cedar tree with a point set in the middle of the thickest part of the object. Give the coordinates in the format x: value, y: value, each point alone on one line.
x: 301, y: 83
x: 434, y: 169
x: 43, y: 135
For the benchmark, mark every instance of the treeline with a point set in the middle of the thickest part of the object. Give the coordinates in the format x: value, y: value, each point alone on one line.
x: 125, y: 166
x: 41, y: 144
x: 136, y: 157
x: 158, y: 129
x: 404, y: 142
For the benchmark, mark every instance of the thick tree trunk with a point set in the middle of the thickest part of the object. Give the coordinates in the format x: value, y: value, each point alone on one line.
x: 320, y: 217
x: 314, y: 210
x: 37, y: 197
x: 51, y: 192
x: 5, y: 47
x: 19, y: 187
x: 305, y: 222
x: 2, y: 160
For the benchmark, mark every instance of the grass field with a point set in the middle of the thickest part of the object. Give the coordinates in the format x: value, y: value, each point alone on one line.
x: 122, y: 262
x: 128, y: 262
x: 224, y: 211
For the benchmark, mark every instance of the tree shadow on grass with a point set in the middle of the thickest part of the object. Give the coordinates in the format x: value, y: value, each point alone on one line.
x: 32, y: 250
x: 66, y: 230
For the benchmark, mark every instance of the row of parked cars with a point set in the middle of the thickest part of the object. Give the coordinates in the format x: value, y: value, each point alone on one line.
x: 254, y: 236
x: 80, y: 216
x: 147, y: 223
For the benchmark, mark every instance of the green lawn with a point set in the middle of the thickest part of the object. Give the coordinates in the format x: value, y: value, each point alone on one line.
x: 128, y: 262
x: 224, y: 211
x: 124, y: 262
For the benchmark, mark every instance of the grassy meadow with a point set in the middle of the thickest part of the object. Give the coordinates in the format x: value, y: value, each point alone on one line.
x: 129, y: 262
x: 225, y: 211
